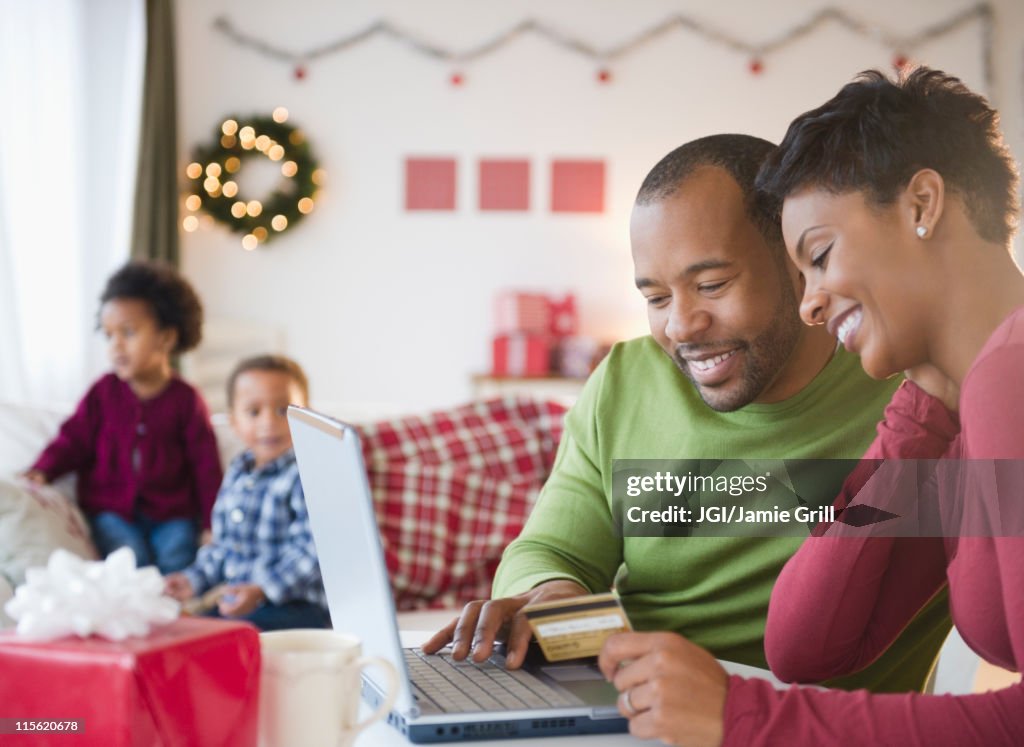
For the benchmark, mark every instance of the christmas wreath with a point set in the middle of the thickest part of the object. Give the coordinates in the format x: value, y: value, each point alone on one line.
x: 214, y: 171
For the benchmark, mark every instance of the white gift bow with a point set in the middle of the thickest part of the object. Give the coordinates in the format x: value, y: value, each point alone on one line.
x: 109, y: 598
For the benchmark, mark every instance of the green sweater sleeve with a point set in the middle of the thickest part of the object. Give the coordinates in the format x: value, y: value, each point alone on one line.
x: 569, y: 534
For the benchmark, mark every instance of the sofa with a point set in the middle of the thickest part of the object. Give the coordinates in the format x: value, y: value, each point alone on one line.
x: 33, y: 520
x: 451, y: 488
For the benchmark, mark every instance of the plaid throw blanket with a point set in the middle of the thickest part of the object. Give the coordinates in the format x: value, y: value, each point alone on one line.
x: 453, y: 488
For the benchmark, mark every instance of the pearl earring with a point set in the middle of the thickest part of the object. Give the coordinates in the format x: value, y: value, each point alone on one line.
x: 922, y: 231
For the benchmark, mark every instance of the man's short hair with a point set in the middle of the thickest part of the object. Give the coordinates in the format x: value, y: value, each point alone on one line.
x: 278, y: 363
x: 739, y: 155
x: 876, y: 133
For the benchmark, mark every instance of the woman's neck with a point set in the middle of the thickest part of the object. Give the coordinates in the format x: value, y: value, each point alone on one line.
x: 985, y: 287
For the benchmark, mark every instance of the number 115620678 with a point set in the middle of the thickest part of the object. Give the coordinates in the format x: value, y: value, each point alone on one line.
x: 41, y: 725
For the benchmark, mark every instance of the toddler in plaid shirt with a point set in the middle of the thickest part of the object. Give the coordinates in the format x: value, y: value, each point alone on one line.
x: 262, y: 554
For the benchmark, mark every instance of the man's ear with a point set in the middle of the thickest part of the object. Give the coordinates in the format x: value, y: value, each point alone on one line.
x: 925, y: 199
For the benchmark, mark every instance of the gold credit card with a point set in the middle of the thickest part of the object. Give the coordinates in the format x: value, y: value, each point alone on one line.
x: 577, y: 627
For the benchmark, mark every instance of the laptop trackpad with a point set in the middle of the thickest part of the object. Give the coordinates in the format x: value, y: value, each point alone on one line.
x: 585, y: 681
x: 572, y: 672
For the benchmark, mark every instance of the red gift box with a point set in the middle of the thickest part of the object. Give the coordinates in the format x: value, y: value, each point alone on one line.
x: 195, y: 681
x: 521, y: 355
x: 564, y: 320
x: 516, y: 312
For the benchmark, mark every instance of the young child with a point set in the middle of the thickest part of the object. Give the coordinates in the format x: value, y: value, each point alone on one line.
x: 141, y: 440
x: 262, y: 550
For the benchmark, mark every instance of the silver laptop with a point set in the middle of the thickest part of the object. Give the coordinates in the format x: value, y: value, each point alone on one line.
x: 440, y: 700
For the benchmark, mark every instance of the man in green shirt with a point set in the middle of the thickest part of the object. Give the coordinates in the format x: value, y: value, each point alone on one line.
x: 728, y: 372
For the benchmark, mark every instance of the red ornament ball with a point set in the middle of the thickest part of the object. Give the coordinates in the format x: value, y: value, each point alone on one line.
x: 300, y: 72
x: 756, y: 66
x: 457, y: 79
x: 604, y: 75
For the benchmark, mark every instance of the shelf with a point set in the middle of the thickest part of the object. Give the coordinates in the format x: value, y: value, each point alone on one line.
x: 558, y: 388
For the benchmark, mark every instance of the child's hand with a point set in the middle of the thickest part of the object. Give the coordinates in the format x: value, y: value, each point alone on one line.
x: 178, y: 586
x: 206, y: 537
x: 36, y: 476
x: 240, y: 599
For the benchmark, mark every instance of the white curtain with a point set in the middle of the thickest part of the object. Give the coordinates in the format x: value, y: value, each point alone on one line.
x: 70, y: 92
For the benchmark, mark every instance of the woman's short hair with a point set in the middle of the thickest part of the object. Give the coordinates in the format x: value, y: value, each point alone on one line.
x: 876, y: 133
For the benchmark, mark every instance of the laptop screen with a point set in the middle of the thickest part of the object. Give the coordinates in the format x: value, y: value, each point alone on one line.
x: 348, y: 544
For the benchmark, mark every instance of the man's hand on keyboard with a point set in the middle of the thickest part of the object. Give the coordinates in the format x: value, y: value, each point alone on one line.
x: 483, y: 622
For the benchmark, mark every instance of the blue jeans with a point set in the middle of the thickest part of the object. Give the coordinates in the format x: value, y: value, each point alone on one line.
x: 283, y: 616
x: 169, y: 545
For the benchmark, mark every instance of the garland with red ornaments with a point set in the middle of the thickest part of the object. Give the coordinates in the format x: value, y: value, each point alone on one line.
x: 902, y: 46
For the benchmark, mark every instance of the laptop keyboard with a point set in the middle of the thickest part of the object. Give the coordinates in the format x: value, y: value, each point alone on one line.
x: 464, y: 686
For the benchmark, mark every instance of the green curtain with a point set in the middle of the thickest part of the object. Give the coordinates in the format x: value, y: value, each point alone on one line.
x: 155, y: 219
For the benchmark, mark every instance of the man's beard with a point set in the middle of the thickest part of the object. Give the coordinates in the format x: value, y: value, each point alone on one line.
x: 764, y: 357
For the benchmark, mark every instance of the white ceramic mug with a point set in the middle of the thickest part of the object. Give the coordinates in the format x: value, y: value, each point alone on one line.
x: 310, y: 687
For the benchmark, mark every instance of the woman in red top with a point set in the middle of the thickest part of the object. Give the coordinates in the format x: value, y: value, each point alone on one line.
x: 898, y: 203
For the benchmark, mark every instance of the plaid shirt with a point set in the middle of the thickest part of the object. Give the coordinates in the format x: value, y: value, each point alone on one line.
x: 261, y: 534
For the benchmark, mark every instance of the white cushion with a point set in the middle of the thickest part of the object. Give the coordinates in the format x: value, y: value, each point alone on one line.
x: 34, y: 521
x: 6, y: 592
x: 24, y: 432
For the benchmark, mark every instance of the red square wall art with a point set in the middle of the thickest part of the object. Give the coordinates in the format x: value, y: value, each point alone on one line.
x: 429, y: 183
x: 504, y: 184
x: 577, y: 186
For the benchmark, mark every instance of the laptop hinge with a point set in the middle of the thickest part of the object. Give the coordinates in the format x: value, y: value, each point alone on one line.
x: 374, y: 697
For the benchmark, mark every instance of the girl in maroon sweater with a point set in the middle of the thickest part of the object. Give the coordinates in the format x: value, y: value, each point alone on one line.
x: 898, y: 206
x: 141, y: 440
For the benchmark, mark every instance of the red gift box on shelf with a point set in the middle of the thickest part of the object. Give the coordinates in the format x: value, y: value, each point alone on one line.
x: 564, y: 320
x: 517, y: 312
x: 521, y: 355
x: 192, y: 682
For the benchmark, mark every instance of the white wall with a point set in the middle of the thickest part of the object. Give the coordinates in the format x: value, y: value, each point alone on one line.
x: 383, y: 305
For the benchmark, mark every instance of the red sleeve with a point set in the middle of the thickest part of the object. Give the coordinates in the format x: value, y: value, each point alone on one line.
x: 861, y: 591
x: 868, y: 588
x: 915, y: 425
x: 73, y: 448
x: 201, y: 451
x: 993, y: 393
x: 756, y: 714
